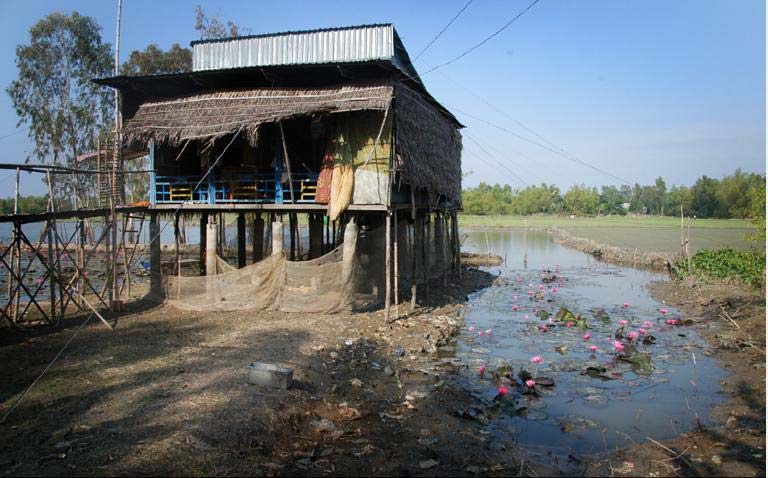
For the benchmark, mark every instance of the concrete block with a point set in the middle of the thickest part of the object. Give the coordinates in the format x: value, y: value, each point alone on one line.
x: 270, y: 375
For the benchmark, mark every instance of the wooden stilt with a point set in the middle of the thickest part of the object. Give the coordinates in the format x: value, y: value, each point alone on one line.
x: 203, y: 240
x: 211, y: 240
x: 258, y: 238
x: 387, y: 266
x: 397, y: 271
x: 155, y: 278
x: 277, y: 237
x: 292, y: 231
x: 240, y: 240
x: 315, y: 235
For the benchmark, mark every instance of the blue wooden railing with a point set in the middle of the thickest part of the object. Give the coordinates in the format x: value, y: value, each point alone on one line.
x: 240, y: 188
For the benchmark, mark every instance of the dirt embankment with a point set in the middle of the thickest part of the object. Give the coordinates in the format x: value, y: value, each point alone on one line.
x: 612, y: 254
x: 733, y: 321
x: 472, y: 259
x: 166, y: 393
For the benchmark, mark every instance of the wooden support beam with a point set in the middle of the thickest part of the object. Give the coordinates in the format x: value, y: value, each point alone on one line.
x: 241, y: 240
x: 397, y: 269
x: 203, y: 240
x: 315, y: 235
x: 387, y: 265
x: 277, y: 237
x: 155, y: 277
x: 258, y: 238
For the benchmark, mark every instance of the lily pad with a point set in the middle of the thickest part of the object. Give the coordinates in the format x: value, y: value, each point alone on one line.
x: 544, y: 381
x: 601, y: 314
x: 562, y: 349
x: 641, y: 361
x: 565, y: 315
x: 596, y: 372
x: 542, y: 314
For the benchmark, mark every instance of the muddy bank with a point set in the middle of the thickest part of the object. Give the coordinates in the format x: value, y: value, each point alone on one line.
x: 480, y: 260
x: 166, y: 393
x: 733, y: 322
x: 614, y: 255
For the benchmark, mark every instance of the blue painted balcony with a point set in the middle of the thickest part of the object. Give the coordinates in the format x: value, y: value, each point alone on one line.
x: 250, y: 188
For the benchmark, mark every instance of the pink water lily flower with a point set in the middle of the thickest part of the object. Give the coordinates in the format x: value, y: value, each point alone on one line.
x: 647, y: 324
x: 623, y: 322
x: 592, y: 348
x: 632, y: 335
x: 530, y: 383
x: 479, y: 333
x: 672, y: 321
x: 481, y: 369
x: 471, y: 328
x: 626, y: 305
x: 515, y: 307
x: 641, y: 331
x: 618, y: 346
x: 569, y: 324
x: 663, y: 311
x: 587, y: 336
x: 526, y: 316
x: 536, y: 359
x: 503, y: 390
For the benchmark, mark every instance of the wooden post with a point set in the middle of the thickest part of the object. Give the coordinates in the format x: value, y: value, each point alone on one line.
x: 81, y: 260
x: 155, y: 278
x: 203, y: 240
x: 240, y: 240
x: 424, y: 259
x: 287, y: 163
x: 292, y: 232
x: 277, y: 238
x: 258, y: 238
x: 414, y: 261
x: 397, y: 271
x: 387, y: 265
x: 211, y: 239
x: 315, y: 235
x: 458, y: 242
x: 177, y: 261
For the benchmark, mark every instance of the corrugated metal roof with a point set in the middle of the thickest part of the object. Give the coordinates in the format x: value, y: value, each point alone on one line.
x: 335, y: 45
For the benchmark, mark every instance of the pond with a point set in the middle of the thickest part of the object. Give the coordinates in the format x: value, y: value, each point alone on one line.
x: 587, y: 411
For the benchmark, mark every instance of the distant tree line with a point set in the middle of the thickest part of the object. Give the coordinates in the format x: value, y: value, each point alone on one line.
x: 738, y: 195
x: 27, y: 205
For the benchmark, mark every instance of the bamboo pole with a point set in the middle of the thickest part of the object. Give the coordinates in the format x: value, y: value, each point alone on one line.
x: 287, y: 161
x: 414, y: 230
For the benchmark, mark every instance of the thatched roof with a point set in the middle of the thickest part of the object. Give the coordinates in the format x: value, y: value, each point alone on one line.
x: 217, y: 114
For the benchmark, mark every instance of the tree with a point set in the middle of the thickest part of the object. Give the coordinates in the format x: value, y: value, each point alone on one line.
x: 154, y: 61
x: 54, y: 94
x: 704, y: 202
x: 211, y: 28
x: 735, y: 193
x: 581, y: 200
x: 612, y: 201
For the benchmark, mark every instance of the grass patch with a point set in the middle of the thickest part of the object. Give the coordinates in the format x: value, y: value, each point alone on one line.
x: 467, y: 220
x: 746, y: 267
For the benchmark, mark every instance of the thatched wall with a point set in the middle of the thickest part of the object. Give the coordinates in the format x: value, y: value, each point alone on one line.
x: 429, y: 145
x: 217, y: 114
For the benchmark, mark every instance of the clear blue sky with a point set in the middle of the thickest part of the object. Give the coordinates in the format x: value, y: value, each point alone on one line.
x: 639, y: 88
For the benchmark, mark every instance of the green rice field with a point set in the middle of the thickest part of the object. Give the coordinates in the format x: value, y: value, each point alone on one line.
x: 649, y: 233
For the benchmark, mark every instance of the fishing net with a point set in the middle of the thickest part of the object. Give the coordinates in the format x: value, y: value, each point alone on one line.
x: 350, y: 276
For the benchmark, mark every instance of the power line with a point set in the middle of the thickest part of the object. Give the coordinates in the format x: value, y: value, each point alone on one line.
x: 442, y: 31
x: 485, y: 40
x: 545, y: 147
x: 517, y: 176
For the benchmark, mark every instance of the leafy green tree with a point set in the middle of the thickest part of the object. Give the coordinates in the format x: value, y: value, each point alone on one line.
x: 677, y: 196
x: 155, y: 61
x: 704, y: 200
x: 735, y: 193
x: 55, y: 97
x: 581, y: 200
x: 612, y: 201
x: 757, y: 211
x: 212, y: 27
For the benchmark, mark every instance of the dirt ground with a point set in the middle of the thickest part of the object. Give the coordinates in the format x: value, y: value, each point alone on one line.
x: 166, y: 393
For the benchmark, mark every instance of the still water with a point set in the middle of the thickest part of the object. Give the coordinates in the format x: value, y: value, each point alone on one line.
x: 580, y: 414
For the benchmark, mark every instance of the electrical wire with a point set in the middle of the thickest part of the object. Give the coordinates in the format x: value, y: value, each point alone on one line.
x: 440, y: 32
x: 485, y: 40
x: 517, y: 176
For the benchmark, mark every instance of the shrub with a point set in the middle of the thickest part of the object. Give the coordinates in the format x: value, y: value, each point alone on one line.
x: 747, y: 267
